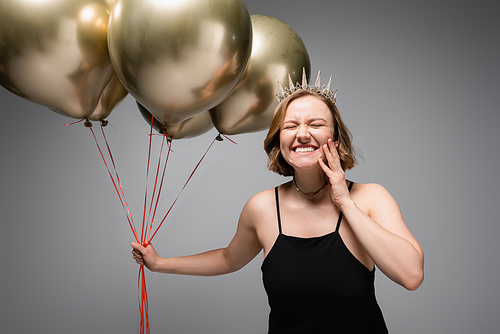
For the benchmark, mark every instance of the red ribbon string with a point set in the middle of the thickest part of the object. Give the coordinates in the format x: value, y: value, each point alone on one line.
x: 158, y: 166
x: 148, y: 219
x: 232, y: 141
x: 129, y: 214
x: 185, y: 184
x: 169, y: 143
x: 144, y: 224
x: 143, y: 301
x: 69, y: 124
x: 121, y: 195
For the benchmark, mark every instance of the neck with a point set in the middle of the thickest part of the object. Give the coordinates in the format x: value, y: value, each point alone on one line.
x: 309, y: 183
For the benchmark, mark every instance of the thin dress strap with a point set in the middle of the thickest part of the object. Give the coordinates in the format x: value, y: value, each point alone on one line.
x: 278, y: 208
x: 341, y: 213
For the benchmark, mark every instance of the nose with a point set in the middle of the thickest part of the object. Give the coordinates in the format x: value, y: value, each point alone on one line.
x: 303, y: 134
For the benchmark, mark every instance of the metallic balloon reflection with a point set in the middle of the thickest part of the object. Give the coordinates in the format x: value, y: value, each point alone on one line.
x: 277, y: 51
x: 179, y: 58
x: 191, y: 127
x: 54, y: 52
x: 113, y: 94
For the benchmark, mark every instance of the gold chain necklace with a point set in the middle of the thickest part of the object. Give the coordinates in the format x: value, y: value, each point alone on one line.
x: 306, y: 195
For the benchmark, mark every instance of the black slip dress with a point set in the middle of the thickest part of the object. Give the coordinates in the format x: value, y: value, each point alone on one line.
x: 316, y: 285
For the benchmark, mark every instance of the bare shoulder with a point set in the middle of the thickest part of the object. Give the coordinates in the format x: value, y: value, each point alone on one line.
x: 260, y: 202
x: 259, y: 207
x: 379, y: 204
x: 373, y: 197
x: 369, y: 189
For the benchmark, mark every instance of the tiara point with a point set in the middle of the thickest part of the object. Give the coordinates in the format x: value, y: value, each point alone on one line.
x: 290, y: 83
x: 325, y: 91
x: 329, y: 84
x: 317, y: 85
x: 304, y: 78
x: 281, y: 88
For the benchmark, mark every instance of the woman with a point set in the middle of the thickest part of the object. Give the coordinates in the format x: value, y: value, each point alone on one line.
x: 322, y: 235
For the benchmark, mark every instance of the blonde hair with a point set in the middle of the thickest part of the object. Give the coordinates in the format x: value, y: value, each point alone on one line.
x: 341, y: 134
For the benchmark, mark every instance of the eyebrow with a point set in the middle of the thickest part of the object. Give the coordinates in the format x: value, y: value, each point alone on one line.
x: 309, y: 120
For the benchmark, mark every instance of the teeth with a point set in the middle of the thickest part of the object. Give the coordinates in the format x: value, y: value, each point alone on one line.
x: 304, y: 149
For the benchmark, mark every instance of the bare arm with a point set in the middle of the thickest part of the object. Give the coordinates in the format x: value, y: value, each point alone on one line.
x: 242, y: 249
x: 385, y: 237
x: 380, y: 229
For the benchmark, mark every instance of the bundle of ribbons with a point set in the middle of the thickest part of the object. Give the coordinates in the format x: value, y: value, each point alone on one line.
x: 151, y: 200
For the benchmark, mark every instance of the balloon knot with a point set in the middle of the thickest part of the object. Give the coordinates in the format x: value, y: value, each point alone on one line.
x: 220, y: 135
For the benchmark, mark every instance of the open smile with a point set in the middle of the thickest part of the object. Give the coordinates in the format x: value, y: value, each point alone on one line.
x: 304, y: 149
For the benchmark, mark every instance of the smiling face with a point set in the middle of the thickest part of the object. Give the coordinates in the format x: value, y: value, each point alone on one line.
x: 307, y: 125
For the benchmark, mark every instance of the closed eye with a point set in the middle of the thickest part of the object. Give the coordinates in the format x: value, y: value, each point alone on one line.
x: 317, y: 125
x: 289, y: 127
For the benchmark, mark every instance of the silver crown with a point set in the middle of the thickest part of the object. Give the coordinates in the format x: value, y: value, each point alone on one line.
x: 324, y: 90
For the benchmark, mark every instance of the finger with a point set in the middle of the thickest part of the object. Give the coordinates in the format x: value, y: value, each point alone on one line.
x: 329, y: 156
x: 326, y: 169
x: 334, y: 152
x: 137, y: 256
x: 323, y: 166
x: 136, y: 252
x: 140, y: 249
x: 333, y: 148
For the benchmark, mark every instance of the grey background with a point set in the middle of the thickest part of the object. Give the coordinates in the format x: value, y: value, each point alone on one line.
x: 418, y: 87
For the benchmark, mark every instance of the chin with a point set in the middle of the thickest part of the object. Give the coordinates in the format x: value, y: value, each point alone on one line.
x: 306, y: 166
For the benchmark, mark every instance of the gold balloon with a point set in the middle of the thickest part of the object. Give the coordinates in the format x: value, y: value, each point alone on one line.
x: 277, y: 51
x: 54, y: 52
x: 179, y: 58
x: 113, y: 94
x: 191, y: 127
